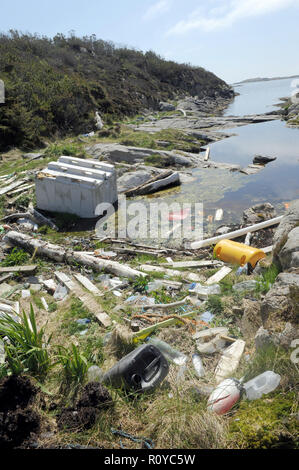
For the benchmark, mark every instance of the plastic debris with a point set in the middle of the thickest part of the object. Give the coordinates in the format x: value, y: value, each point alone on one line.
x: 83, y: 321
x: 237, y: 253
x: 25, y: 294
x: 210, y: 341
x: 261, y: 385
x: 204, y: 291
x: 242, y: 270
x: 207, y: 316
x: 28, y: 224
x: 146, y: 442
x: 117, y: 293
x: 181, y: 373
x: 60, y: 292
x: 225, y: 396
x: 229, y: 361
x: 155, y: 285
x: 141, y: 370
x: 198, y: 365
x: 170, y: 353
x: 140, y: 300
x: 105, y: 254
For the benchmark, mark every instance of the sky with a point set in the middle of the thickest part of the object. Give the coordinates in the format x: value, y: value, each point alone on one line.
x: 235, y: 39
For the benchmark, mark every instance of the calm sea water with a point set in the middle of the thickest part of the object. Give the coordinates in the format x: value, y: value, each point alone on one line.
x: 260, y: 97
x: 277, y: 183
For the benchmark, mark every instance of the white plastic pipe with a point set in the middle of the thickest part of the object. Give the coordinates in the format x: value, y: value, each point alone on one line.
x: 236, y: 233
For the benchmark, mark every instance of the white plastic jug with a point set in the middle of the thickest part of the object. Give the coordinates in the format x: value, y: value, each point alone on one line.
x: 262, y: 384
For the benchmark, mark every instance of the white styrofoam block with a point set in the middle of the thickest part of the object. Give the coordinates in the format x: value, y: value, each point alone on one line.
x: 76, y: 186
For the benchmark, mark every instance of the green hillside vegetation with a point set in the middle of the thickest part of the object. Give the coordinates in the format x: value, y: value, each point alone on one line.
x: 54, y: 86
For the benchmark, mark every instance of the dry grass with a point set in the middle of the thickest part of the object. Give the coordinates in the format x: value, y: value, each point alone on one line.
x: 178, y: 422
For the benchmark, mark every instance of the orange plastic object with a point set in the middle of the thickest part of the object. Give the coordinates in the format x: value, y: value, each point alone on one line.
x: 237, y: 253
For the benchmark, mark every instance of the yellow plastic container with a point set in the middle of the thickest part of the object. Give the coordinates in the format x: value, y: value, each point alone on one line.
x: 237, y: 253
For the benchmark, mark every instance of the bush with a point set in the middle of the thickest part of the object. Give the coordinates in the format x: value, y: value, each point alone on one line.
x: 74, y: 366
x: 54, y: 86
x: 17, y: 257
x: 26, y: 348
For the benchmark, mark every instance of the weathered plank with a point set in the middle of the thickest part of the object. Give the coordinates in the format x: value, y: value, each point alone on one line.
x: 10, y: 187
x: 221, y: 274
x: 87, y: 299
x: 18, y: 269
x: 19, y: 190
x: 5, y: 277
x: 87, y: 284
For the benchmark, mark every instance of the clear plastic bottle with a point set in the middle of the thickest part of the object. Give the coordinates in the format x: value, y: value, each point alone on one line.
x: 262, y: 384
x: 170, y: 354
x: 198, y: 365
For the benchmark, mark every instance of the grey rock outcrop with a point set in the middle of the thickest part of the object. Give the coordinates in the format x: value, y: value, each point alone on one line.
x: 288, y: 223
x: 279, y: 303
x: 289, y: 333
x: 262, y: 339
x: 117, y: 153
x: 166, y: 106
x: 289, y: 254
x: 258, y: 213
x: 251, y: 320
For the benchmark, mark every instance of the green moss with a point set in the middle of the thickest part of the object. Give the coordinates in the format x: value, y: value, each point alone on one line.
x: 265, y: 423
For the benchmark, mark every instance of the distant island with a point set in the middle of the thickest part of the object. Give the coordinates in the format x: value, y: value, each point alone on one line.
x: 266, y: 79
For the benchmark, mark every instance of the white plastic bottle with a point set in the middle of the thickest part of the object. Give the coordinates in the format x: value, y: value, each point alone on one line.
x: 262, y: 384
x: 198, y: 365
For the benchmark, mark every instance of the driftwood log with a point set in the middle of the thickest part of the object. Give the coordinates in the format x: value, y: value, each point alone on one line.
x: 62, y: 255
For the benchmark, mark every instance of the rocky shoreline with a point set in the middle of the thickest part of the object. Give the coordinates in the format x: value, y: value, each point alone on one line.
x: 290, y: 110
